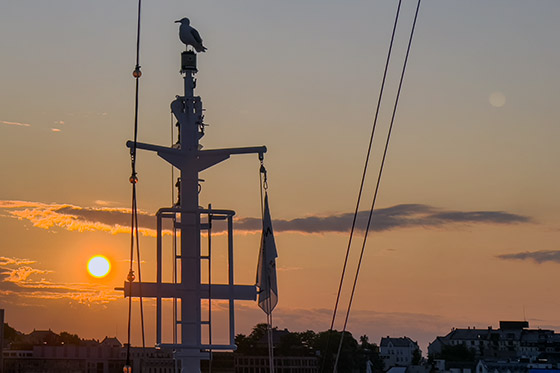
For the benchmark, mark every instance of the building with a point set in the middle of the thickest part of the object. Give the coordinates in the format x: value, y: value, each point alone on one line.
x: 514, y: 367
x: 398, y: 352
x: 108, y: 356
x: 512, y: 341
x: 282, y: 364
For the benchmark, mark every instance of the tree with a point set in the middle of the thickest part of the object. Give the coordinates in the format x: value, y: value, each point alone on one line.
x: 364, y: 340
x: 70, y: 339
x: 290, y: 345
x: 10, y: 334
x: 243, y: 343
x: 249, y: 345
x: 370, y: 351
x: 416, y: 357
x: 353, y: 355
x: 259, y: 331
x: 328, y: 343
x: 308, y: 339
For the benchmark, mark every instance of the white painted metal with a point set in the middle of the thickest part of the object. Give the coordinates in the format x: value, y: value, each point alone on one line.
x: 190, y: 160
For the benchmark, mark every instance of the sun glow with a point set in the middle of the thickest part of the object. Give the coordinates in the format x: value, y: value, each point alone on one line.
x: 98, y: 266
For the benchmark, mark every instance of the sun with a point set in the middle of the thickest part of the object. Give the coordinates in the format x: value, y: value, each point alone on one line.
x: 99, y: 266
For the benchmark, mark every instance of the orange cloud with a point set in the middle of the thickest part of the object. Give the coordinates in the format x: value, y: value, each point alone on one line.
x: 79, y: 219
x: 4, y: 261
x: 21, y: 273
x: 19, y: 283
x: 15, y: 123
x: 117, y: 220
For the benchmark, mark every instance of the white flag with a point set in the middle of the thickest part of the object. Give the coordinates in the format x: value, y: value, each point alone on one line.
x: 266, y: 271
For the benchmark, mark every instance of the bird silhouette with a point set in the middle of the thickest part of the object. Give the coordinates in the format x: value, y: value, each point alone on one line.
x: 189, y: 35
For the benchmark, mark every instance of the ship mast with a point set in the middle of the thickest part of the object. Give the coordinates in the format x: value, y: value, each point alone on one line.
x: 187, y: 156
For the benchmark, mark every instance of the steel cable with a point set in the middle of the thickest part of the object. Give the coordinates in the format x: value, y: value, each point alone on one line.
x: 377, y: 184
x: 364, y: 172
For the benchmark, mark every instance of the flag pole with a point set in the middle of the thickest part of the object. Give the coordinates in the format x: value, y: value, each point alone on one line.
x: 270, y: 337
x: 266, y: 271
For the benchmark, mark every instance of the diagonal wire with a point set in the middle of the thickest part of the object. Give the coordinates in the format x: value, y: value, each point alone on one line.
x: 139, y: 273
x: 134, y: 179
x: 378, y: 182
x: 381, y: 90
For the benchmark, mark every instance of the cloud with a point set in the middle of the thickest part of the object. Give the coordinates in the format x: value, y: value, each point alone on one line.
x: 4, y: 261
x: 20, y: 274
x: 101, y: 202
x: 56, y: 129
x: 20, y: 286
x: 15, y: 123
x: 117, y: 220
x: 80, y: 219
x: 398, y: 216
x: 536, y: 256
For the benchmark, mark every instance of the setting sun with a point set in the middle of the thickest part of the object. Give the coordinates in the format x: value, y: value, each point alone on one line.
x: 98, y: 266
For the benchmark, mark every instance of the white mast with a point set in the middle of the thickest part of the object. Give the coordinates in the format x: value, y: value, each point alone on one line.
x: 187, y: 157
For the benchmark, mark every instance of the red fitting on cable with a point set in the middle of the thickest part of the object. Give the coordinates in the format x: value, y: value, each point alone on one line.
x: 137, y: 73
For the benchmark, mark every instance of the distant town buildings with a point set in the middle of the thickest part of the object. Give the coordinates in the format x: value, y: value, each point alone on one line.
x: 513, y: 340
x: 108, y: 356
x: 512, y: 348
x: 260, y: 364
x: 398, y: 351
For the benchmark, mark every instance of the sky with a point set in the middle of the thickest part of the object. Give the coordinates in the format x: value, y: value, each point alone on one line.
x: 466, y: 229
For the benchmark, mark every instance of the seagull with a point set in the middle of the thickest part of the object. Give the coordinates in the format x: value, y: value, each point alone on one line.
x: 189, y: 35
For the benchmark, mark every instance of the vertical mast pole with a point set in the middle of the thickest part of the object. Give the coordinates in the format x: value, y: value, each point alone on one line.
x: 190, y: 230
x: 186, y: 214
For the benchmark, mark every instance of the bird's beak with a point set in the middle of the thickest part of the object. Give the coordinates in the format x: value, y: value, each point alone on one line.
x: 179, y: 21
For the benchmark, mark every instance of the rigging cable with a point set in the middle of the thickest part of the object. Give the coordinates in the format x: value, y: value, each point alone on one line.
x: 378, y: 182
x: 174, y: 236
x: 134, y: 215
x: 363, y: 177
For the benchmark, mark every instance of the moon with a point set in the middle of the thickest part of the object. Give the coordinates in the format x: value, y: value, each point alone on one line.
x: 99, y: 266
x: 497, y: 99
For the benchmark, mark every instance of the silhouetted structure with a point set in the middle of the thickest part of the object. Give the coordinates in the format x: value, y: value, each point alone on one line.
x: 47, y: 352
x: 88, y: 359
x: 188, y: 289
x: 513, y: 340
x: 398, y: 351
x: 305, y: 352
x: 282, y: 364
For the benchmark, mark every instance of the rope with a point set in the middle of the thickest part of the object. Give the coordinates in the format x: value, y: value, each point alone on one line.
x: 363, y: 178
x: 172, y: 167
x: 174, y: 238
x: 270, y: 339
x: 378, y: 181
x: 210, y: 352
x: 134, y: 237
